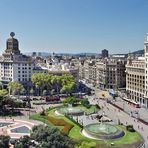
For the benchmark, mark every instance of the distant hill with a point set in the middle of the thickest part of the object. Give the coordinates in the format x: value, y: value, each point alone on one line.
x: 138, y: 52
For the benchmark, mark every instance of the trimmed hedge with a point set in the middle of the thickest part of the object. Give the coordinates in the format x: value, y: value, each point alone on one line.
x: 61, y: 122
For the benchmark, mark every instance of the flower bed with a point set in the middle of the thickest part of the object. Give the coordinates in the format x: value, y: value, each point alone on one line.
x: 61, y: 122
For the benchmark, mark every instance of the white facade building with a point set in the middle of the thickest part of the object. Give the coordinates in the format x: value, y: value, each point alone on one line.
x: 15, y: 66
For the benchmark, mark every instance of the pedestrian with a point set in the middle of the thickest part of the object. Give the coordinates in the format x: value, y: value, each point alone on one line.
x: 138, y: 126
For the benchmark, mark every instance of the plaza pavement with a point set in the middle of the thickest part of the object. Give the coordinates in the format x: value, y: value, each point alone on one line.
x: 109, y: 110
x: 114, y: 114
x: 142, y: 112
x: 6, y: 130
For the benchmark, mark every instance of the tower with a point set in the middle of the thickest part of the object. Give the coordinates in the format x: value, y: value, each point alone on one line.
x: 104, y: 53
x: 12, y: 45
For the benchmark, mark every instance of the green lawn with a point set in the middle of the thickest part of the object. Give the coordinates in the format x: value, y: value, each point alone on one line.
x: 129, y: 137
x: 75, y: 131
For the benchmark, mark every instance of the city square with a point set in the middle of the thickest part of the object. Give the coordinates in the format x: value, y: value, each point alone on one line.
x: 66, y: 101
x: 73, y: 74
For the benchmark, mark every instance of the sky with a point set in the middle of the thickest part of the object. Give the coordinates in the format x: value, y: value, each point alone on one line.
x: 74, y: 26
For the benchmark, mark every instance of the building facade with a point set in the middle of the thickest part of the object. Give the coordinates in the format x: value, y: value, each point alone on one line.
x: 135, y: 79
x: 104, y: 53
x: 146, y: 71
x: 101, y: 78
x: 15, y: 66
x: 56, y: 66
x: 104, y: 73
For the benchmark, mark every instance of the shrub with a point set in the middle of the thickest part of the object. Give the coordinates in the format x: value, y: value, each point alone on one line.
x: 61, y: 122
x: 130, y: 128
x: 71, y: 100
x: 85, y: 103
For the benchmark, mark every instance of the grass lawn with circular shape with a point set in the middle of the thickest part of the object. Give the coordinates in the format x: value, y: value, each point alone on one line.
x: 129, y: 139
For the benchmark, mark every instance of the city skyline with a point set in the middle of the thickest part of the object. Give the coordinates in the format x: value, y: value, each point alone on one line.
x: 74, y: 26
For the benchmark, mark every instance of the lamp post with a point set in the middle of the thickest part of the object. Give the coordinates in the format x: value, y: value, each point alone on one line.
x: 123, y: 105
x: 102, y: 116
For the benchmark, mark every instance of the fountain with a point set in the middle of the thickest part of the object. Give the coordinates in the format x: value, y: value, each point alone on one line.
x: 70, y: 111
x: 102, y: 131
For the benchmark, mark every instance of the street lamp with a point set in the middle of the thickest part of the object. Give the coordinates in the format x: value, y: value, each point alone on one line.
x: 123, y: 105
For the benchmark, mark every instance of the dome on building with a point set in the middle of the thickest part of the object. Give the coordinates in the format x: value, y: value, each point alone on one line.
x: 12, y: 45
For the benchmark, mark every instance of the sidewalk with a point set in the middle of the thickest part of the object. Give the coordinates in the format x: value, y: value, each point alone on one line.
x: 142, y: 113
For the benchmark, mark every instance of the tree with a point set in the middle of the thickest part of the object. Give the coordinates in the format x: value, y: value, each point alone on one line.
x: 72, y: 100
x: 50, y: 137
x: 4, y: 141
x: 65, y: 83
x: 56, y: 82
x: 68, y: 84
x: 15, y: 87
x: 32, y: 91
x: 3, y: 92
x: 23, y: 142
x: 40, y: 81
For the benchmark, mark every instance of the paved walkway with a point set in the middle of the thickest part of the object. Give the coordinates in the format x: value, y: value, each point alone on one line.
x: 114, y: 114
x: 142, y: 112
x: 6, y: 130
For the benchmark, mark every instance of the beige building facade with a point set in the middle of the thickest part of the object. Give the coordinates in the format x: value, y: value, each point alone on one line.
x: 104, y: 73
x: 135, y: 79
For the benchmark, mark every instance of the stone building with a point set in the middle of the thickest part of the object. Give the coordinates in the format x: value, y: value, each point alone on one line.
x: 146, y: 71
x: 105, y: 73
x: 135, y: 79
x: 14, y: 66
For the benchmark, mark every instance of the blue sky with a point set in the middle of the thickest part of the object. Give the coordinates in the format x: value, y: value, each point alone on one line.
x: 75, y: 25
